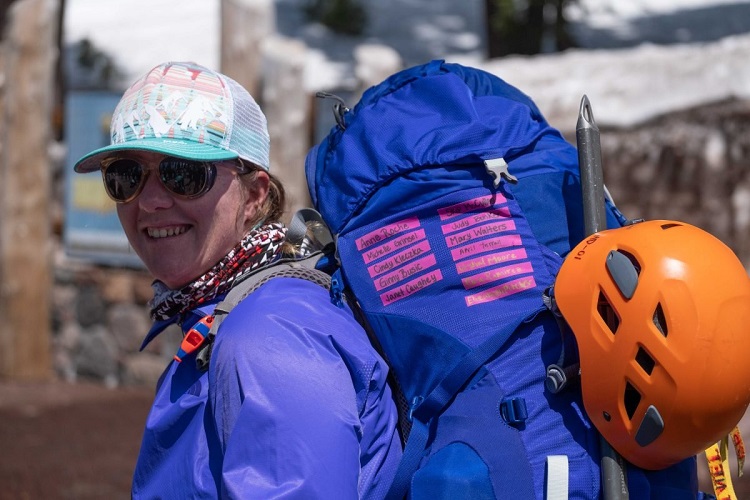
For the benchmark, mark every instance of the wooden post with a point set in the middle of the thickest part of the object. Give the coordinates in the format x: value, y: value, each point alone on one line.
x: 288, y: 108
x: 244, y: 26
x: 373, y: 64
x: 271, y: 68
x: 27, y: 61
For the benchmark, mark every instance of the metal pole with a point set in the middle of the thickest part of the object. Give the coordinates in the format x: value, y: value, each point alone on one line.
x: 613, y: 468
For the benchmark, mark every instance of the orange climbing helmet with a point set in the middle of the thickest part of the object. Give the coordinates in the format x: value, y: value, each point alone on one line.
x: 661, y: 314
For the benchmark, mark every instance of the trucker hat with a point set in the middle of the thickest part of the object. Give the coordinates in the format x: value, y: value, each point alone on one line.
x: 186, y: 110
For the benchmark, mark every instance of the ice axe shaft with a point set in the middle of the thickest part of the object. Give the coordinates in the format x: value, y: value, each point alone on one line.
x: 613, y: 468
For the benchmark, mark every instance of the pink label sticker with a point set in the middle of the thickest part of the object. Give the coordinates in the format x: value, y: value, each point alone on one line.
x: 479, y: 232
x: 400, y: 258
x: 492, y: 259
x: 407, y: 271
x: 497, y: 274
x: 501, y: 291
x: 383, y: 233
x: 481, y: 203
x: 411, y: 287
x: 474, y: 219
x: 511, y: 240
x: 393, y: 245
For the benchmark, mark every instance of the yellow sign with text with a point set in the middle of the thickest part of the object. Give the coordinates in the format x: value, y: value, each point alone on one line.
x: 88, y: 194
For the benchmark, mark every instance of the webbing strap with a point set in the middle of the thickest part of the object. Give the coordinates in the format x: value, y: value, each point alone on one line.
x: 739, y: 450
x: 409, y: 461
x: 718, y: 465
x: 248, y: 283
x: 557, y: 477
x: 439, y: 398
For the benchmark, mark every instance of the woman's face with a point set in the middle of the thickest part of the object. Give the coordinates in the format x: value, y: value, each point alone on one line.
x: 180, y: 239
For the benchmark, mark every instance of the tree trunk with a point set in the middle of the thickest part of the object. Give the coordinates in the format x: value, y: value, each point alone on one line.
x: 244, y: 26
x: 27, y: 62
x: 288, y: 108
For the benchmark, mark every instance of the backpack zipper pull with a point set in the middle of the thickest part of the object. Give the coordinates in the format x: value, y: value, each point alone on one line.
x: 414, y: 405
x: 337, y: 288
x: 339, y: 109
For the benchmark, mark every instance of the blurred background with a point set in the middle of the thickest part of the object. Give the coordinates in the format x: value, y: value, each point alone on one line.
x: 668, y: 81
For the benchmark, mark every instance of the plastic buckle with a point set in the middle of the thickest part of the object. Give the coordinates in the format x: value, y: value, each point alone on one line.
x: 194, y: 338
x: 514, y: 411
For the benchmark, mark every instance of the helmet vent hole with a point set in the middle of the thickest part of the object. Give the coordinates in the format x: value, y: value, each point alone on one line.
x: 645, y: 361
x: 670, y: 225
x: 608, y: 314
x: 660, y: 320
x: 632, y: 260
x: 632, y: 400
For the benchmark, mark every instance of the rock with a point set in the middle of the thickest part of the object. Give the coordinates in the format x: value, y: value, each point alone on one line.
x: 96, y: 354
x: 142, y: 369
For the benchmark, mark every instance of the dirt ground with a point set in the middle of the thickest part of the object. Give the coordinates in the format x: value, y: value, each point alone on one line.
x: 80, y: 441
x: 69, y: 441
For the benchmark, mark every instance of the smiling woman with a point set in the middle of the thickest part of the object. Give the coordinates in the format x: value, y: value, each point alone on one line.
x: 188, y: 167
x: 176, y: 119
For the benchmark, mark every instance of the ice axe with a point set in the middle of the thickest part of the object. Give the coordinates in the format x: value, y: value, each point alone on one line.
x: 613, y: 467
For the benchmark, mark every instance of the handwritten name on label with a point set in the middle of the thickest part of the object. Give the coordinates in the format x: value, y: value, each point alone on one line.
x: 474, y: 219
x: 393, y: 245
x: 501, y: 291
x: 511, y: 240
x: 481, y: 203
x: 411, y: 287
x: 390, y: 263
x: 497, y: 274
x: 479, y: 232
x: 385, y: 232
x: 490, y: 260
x: 402, y: 273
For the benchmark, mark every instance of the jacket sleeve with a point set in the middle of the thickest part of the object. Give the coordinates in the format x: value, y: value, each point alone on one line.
x: 288, y: 380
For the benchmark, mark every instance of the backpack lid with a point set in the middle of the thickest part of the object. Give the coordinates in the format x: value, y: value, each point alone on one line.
x: 434, y: 114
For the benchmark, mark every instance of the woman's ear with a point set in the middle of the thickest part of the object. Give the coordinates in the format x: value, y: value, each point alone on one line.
x: 257, y: 192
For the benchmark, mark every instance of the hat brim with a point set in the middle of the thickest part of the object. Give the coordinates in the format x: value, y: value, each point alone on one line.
x: 172, y: 147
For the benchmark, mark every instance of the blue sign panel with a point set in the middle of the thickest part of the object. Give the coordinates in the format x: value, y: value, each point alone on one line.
x: 92, y: 229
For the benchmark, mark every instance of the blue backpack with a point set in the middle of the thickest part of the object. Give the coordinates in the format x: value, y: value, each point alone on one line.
x: 453, y: 203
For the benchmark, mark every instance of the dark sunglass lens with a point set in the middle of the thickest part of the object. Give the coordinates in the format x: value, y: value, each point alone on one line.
x: 122, y: 179
x: 184, y: 177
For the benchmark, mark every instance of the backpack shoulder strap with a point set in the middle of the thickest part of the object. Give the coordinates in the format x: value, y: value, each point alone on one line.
x: 249, y: 282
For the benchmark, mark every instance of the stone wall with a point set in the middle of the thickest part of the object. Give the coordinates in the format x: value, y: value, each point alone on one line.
x: 692, y: 165
x: 99, y: 319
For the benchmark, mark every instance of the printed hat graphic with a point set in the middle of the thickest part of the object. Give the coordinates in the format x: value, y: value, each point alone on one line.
x: 185, y: 110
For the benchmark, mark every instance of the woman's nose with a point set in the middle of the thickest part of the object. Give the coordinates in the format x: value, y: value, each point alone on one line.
x: 154, y: 195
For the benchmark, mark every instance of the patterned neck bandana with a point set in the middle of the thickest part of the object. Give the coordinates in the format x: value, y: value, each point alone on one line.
x: 257, y: 248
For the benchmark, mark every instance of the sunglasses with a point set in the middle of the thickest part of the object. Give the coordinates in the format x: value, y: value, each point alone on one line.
x: 124, y: 178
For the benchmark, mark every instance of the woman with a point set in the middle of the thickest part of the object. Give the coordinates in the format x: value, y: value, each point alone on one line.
x: 294, y: 403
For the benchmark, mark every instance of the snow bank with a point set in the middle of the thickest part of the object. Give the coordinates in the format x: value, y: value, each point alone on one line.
x: 628, y: 86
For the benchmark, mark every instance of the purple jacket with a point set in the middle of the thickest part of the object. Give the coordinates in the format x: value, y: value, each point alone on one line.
x: 294, y: 405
